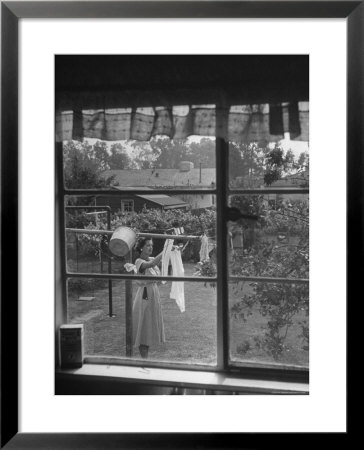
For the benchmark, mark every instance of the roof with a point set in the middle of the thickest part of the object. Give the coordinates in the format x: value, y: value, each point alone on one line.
x: 165, y: 201
x: 162, y: 177
x: 132, y: 188
x: 160, y: 199
x: 295, y: 180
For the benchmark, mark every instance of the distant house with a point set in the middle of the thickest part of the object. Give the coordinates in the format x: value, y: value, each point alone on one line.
x: 300, y: 179
x: 185, y: 177
x: 297, y: 180
x: 130, y: 201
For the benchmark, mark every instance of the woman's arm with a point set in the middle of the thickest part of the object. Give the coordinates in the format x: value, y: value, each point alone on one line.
x: 153, y: 262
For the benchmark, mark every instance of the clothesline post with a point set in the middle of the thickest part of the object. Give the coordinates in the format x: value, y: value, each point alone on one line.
x: 128, y: 313
x: 109, y: 265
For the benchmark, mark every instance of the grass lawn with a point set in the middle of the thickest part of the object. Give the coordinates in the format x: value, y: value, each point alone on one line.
x: 190, y: 336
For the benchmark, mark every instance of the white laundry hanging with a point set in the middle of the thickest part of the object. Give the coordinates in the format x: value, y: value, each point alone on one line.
x: 173, y: 256
x: 204, y: 250
x: 178, y: 290
x: 168, y: 245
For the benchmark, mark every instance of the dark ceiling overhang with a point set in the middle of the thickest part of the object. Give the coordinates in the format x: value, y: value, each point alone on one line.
x: 153, y: 80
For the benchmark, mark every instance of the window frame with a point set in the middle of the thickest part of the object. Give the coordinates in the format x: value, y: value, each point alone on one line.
x: 130, y: 201
x: 222, y: 191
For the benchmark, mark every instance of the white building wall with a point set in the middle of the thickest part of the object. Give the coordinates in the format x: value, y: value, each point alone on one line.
x: 199, y: 200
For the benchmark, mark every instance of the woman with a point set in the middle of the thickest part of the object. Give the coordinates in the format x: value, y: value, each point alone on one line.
x: 148, y: 327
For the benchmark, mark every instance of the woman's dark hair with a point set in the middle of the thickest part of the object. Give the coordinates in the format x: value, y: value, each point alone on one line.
x: 140, y: 244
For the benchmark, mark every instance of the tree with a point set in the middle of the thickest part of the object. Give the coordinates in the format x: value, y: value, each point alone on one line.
x: 119, y: 158
x: 169, y: 152
x: 144, y: 157
x: 304, y: 161
x: 99, y: 155
x: 279, y: 303
x: 202, y: 152
x: 278, y: 164
x: 84, y: 165
x: 246, y: 164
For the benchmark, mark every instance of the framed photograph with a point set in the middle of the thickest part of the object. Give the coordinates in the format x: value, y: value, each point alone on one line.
x: 182, y: 123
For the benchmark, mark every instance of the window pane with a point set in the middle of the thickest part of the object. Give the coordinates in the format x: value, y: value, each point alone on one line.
x: 189, y: 334
x: 271, y: 165
x: 90, y: 251
x: 269, y: 323
x: 275, y: 241
x: 124, y: 165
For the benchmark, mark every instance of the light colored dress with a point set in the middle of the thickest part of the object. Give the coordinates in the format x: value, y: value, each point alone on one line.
x: 148, y: 326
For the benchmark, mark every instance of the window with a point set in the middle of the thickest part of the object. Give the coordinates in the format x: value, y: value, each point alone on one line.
x: 247, y: 308
x: 127, y: 205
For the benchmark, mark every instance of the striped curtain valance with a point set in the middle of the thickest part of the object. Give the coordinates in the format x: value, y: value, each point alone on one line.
x: 245, y: 123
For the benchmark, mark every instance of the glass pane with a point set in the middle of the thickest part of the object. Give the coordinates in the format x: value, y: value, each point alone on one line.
x: 271, y: 165
x: 269, y: 323
x: 105, y: 308
x: 272, y: 238
x: 103, y: 239
x: 124, y: 165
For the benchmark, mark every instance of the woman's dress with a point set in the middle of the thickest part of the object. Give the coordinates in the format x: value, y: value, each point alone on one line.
x: 148, y: 327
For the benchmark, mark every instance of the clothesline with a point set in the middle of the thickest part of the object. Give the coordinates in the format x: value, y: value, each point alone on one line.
x: 155, y: 235
x: 139, y: 234
x: 179, y: 235
x: 172, y: 228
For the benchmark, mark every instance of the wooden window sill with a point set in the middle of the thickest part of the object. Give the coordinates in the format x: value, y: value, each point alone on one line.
x: 184, y: 379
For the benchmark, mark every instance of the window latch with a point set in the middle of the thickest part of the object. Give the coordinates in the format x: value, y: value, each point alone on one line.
x: 234, y: 215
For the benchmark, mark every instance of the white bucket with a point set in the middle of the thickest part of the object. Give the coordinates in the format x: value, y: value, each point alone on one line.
x: 122, y: 241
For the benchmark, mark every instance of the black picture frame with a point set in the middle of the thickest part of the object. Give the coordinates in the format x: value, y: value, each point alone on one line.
x: 11, y: 13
